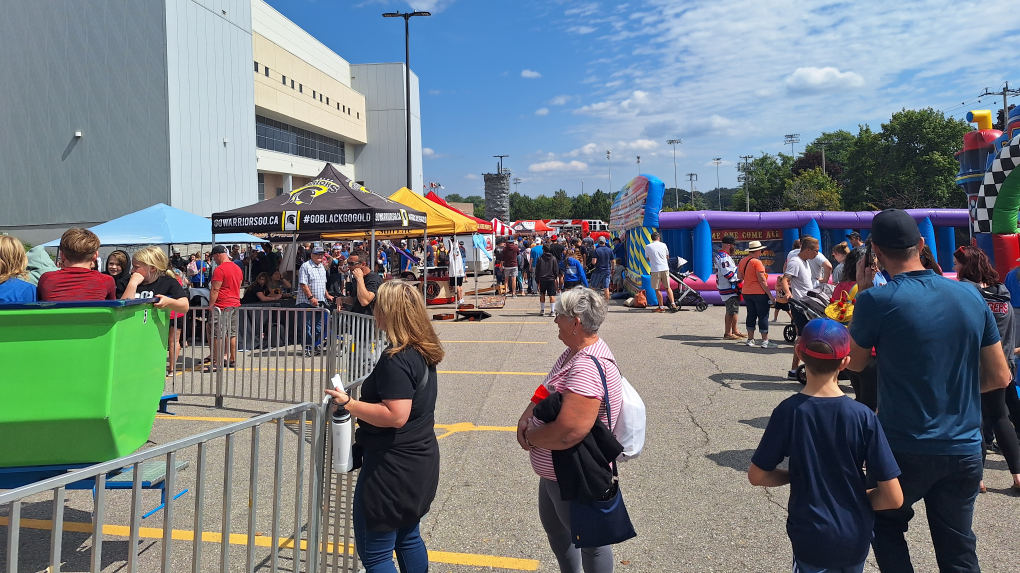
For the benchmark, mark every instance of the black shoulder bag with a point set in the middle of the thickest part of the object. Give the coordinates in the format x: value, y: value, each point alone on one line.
x: 603, y: 522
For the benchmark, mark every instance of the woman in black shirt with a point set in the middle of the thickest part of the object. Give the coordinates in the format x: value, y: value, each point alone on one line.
x: 400, y: 468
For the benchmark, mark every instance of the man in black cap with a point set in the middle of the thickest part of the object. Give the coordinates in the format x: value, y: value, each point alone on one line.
x: 855, y: 240
x: 937, y: 349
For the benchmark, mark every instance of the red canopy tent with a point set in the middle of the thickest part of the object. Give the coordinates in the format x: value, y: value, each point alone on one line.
x: 484, y: 227
x: 500, y: 228
x: 537, y: 226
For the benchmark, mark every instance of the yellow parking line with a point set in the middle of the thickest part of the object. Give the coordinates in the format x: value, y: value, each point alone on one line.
x: 489, y: 342
x: 446, y: 557
x: 485, y: 372
x: 469, y: 427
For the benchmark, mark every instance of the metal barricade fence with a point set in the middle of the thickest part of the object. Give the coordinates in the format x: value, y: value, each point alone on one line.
x: 359, y: 344
x: 285, y: 523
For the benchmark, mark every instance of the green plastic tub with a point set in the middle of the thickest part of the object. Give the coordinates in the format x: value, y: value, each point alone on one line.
x: 79, y: 382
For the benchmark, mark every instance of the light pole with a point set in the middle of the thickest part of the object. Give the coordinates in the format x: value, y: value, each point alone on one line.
x: 792, y: 139
x: 676, y: 186
x: 407, y: 76
x: 517, y: 181
x: 639, y: 165
x: 822, y: 144
x: 610, y: 162
x: 692, y: 177
x: 747, y: 196
x: 500, y: 157
x: 717, y: 161
x: 582, y: 187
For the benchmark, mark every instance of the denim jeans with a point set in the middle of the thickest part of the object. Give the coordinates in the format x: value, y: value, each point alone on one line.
x: 948, y: 485
x: 375, y: 548
x: 313, y: 326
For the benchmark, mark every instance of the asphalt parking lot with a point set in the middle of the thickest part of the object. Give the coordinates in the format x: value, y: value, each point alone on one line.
x: 708, y: 402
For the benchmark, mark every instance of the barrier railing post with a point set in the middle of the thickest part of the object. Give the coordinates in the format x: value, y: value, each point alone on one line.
x: 218, y: 350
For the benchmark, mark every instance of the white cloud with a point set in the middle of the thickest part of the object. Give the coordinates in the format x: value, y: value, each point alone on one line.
x: 542, y: 111
x: 472, y: 177
x: 547, y: 166
x: 595, y: 107
x: 585, y: 150
x: 581, y: 29
x: 434, y: 92
x: 433, y: 6
x: 530, y: 74
x: 815, y: 80
x: 638, y: 144
x: 559, y: 100
x: 427, y: 152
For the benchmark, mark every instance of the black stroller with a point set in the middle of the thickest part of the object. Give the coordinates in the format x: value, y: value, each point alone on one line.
x: 812, y: 306
x: 683, y: 293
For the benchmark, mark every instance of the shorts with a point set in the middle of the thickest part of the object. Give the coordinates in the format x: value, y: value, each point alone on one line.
x: 226, y: 320
x: 599, y: 280
x: 801, y: 567
x: 800, y: 320
x: 510, y: 272
x: 456, y: 281
x: 781, y: 306
x: 547, y: 287
x: 732, y: 305
x: 567, y: 285
x: 177, y: 322
x: 660, y: 280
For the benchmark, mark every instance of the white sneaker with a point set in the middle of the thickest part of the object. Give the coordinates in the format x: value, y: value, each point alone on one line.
x: 769, y: 344
x: 750, y: 342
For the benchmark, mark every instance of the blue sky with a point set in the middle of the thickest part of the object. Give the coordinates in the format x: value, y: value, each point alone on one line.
x: 554, y: 84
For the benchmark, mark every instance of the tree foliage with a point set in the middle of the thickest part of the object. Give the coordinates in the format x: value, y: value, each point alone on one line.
x: 812, y: 190
x: 561, y: 206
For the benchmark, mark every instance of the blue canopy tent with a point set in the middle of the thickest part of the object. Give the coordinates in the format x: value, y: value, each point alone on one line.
x: 161, y: 225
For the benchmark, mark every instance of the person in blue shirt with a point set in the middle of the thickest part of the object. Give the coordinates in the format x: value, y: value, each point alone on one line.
x: 830, y: 440
x: 937, y: 348
x: 13, y: 266
x: 573, y: 270
x: 603, y: 260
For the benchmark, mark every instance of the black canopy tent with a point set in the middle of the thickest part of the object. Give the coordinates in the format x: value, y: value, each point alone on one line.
x: 329, y: 203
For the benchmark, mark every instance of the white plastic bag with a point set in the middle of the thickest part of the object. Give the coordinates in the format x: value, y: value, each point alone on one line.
x: 630, y: 423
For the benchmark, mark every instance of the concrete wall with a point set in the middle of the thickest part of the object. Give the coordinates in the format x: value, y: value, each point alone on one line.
x: 95, y: 66
x: 211, y: 106
x: 382, y: 163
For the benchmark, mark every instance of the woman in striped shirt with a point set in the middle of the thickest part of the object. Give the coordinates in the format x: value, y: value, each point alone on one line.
x: 579, y: 314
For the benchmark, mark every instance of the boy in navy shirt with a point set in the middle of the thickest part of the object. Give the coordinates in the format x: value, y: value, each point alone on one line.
x: 829, y: 439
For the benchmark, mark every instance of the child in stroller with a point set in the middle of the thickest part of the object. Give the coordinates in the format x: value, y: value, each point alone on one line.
x: 683, y: 293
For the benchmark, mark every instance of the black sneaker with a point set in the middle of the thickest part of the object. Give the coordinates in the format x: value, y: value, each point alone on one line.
x: 791, y: 374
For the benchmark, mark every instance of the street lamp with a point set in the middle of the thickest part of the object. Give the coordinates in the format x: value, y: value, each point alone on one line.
x: 792, y: 139
x: 718, y: 188
x: 692, y: 177
x: 676, y: 190
x: 744, y: 180
x: 407, y: 76
x: 610, y: 162
x: 822, y: 144
x: 517, y: 181
x: 582, y: 187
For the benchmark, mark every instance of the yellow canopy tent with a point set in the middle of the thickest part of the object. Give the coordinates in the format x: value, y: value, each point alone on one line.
x: 441, y: 220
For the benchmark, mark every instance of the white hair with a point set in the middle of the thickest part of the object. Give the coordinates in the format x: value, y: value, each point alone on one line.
x: 585, y: 304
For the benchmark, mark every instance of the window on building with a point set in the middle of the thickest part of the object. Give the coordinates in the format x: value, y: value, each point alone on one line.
x: 338, y: 105
x: 267, y: 70
x: 327, y: 100
x: 348, y: 111
x: 262, y: 186
x: 359, y: 115
x: 301, y: 88
x: 281, y: 137
x: 279, y: 191
x: 284, y: 80
x: 256, y: 67
x: 291, y: 84
x: 313, y: 94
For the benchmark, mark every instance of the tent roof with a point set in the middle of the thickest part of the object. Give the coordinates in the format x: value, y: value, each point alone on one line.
x: 329, y: 203
x: 537, y: 226
x: 501, y: 228
x: 442, y: 220
x: 161, y: 225
x: 484, y: 226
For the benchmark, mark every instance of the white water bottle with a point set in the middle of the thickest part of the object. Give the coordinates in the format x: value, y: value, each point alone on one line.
x: 342, y: 430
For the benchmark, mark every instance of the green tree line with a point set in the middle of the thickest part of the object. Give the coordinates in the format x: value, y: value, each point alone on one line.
x: 909, y: 163
x: 560, y: 206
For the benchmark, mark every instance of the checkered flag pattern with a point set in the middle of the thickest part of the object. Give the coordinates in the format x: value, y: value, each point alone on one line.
x: 981, y: 209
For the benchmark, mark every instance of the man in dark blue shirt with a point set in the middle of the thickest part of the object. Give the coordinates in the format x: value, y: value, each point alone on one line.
x: 603, y: 260
x: 937, y: 348
x: 829, y: 439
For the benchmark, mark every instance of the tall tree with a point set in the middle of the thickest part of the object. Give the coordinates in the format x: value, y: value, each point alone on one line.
x: 559, y: 205
x: 766, y: 181
x: 581, y: 207
x: 812, y: 190
x: 601, y: 203
x: 522, y: 207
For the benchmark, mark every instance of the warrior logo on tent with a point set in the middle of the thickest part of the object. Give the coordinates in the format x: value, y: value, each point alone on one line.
x: 290, y: 220
x: 403, y: 218
x: 311, y: 191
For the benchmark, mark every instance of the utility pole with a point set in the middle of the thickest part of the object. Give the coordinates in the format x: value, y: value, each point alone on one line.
x: 744, y: 176
x: 822, y: 144
x: 407, y: 76
x: 1005, y: 93
x: 582, y: 187
x: 639, y: 165
x: 718, y: 188
x: 517, y: 181
x: 501, y: 162
x: 610, y: 162
x: 792, y: 139
x: 676, y: 185
x: 692, y: 177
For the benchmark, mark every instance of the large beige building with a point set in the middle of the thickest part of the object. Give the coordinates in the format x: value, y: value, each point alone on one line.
x: 204, y: 106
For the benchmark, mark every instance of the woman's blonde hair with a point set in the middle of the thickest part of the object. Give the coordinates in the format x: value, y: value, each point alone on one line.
x: 13, y: 261
x: 407, y: 324
x: 155, y: 257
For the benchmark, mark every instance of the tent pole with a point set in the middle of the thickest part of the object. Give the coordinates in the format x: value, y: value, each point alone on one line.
x: 425, y: 266
x: 372, y: 266
x: 476, y: 273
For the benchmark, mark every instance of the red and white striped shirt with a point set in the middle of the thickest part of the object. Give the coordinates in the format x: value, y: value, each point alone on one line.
x: 580, y: 376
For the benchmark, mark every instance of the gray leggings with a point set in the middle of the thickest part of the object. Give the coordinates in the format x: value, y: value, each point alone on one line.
x: 555, y: 516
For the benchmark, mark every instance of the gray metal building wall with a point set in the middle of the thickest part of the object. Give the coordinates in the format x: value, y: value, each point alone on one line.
x: 381, y: 163
x: 95, y: 66
x: 211, y: 99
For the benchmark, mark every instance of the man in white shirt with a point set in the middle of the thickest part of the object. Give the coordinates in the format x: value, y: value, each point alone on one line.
x: 821, y: 268
x: 800, y: 274
x: 657, y: 254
